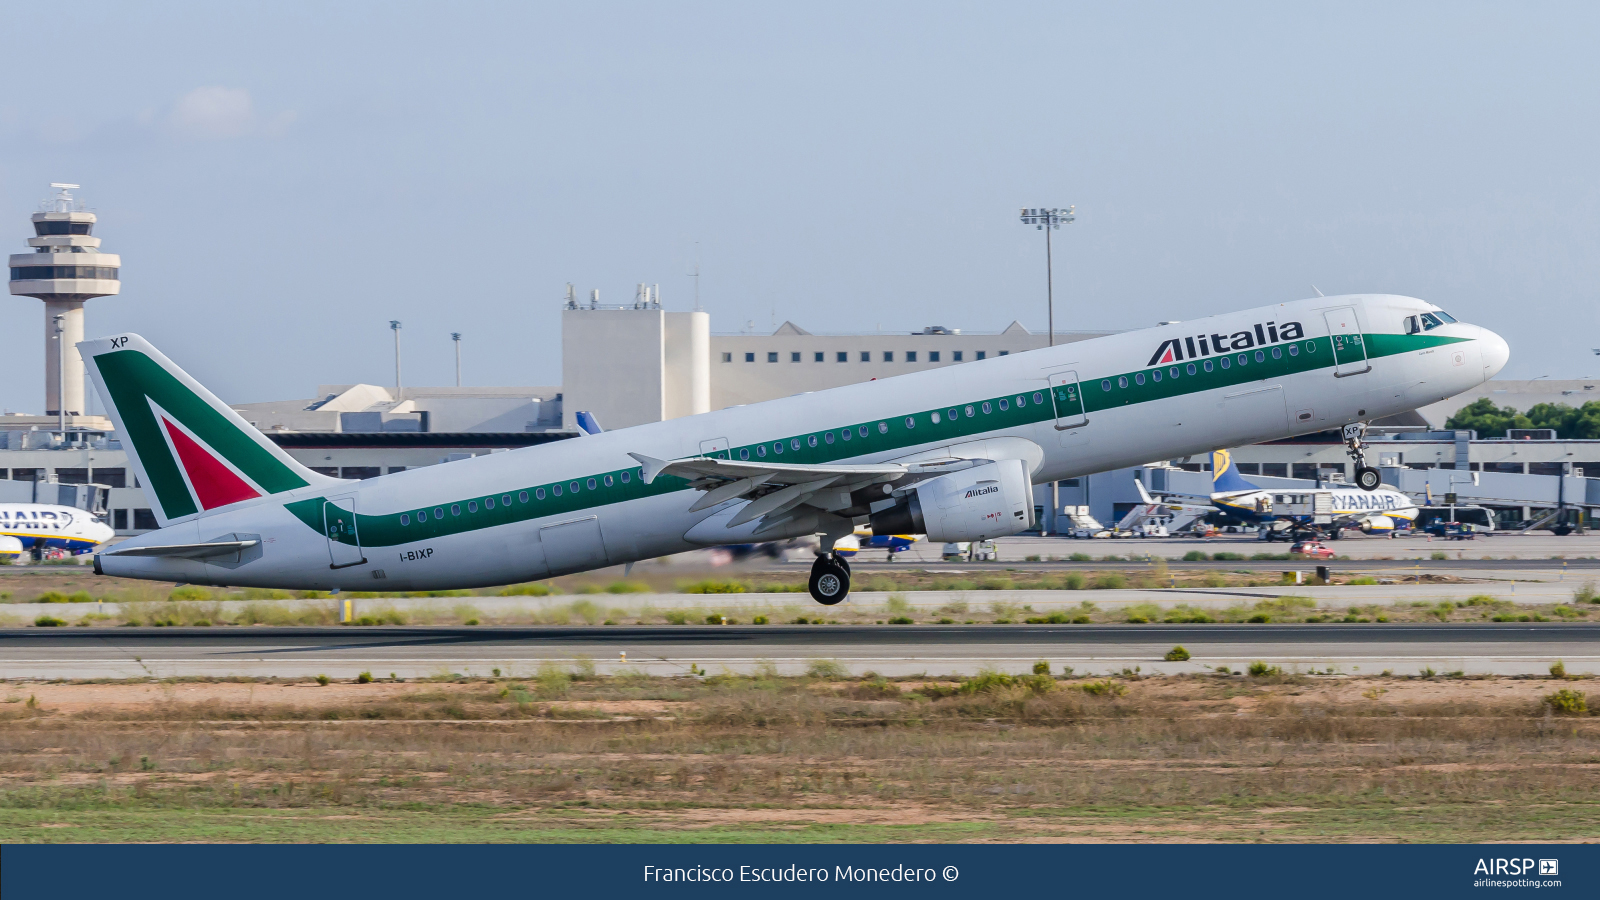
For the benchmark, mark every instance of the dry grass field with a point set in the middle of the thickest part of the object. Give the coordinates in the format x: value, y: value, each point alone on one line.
x: 567, y: 756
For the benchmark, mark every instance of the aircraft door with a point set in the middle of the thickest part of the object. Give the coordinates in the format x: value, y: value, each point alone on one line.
x: 1068, y: 398
x: 717, y: 447
x: 1349, y: 350
x: 339, y: 524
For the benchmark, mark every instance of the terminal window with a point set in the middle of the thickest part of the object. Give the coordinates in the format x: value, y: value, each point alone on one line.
x: 795, y: 356
x: 727, y: 357
x: 1005, y: 352
x: 888, y: 356
x: 911, y: 356
x: 111, y: 477
x: 982, y: 354
x: 955, y: 355
x: 144, y: 520
x: 866, y: 356
x: 819, y: 356
x: 749, y: 357
x: 772, y: 357
x: 119, y: 519
x: 844, y: 356
x: 1275, y: 470
x: 933, y: 356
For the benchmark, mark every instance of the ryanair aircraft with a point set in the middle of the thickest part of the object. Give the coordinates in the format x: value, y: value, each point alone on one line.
x: 1290, y: 512
x: 236, y: 510
x: 45, y: 526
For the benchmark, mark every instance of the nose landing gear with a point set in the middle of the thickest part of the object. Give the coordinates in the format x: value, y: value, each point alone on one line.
x: 830, y: 579
x: 1367, y: 477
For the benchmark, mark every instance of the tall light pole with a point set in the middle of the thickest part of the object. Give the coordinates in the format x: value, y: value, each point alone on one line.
x: 1048, y: 220
x: 456, y: 337
x: 394, y: 325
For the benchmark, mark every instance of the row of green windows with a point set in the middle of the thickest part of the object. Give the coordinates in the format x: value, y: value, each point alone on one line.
x: 539, y: 493
x: 1225, y: 362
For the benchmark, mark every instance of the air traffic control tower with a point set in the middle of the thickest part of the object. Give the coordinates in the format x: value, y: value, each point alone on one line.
x: 65, y: 268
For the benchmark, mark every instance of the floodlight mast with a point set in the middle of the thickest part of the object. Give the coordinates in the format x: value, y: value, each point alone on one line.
x: 1048, y: 220
x: 394, y: 325
x: 455, y: 336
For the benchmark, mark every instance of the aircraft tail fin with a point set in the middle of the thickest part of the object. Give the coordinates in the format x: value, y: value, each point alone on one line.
x: 190, y: 450
x: 587, y: 423
x: 1224, y: 477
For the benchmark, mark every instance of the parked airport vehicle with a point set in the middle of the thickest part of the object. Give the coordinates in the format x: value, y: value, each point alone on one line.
x: 1312, y: 550
x: 863, y: 539
x: 236, y: 510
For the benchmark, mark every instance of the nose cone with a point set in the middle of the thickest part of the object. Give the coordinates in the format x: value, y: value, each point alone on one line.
x: 99, y: 532
x: 1495, y: 352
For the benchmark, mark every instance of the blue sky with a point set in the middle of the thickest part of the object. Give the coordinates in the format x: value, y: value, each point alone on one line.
x: 282, y: 179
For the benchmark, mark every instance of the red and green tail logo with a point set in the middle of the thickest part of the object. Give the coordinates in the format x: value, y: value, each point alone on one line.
x: 192, y: 452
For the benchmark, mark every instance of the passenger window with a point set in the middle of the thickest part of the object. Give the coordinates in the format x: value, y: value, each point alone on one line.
x: 883, y: 428
x: 1122, y: 381
x: 846, y: 434
x: 761, y: 449
x: 405, y: 519
x: 555, y: 489
x: 1294, y: 349
x: 1173, y: 371
x: 1105, y: 385
x: 777, y: 447
x: 1191, y: 368
x: 1277, y: 353
x: 1156, y: 374
x: 1224, y: 362
x: 488, y: 503
x: 1138, y: 378
x: 625, y: 477
x: 828, y: 437
x: 1206, y: 364
x: 1004, y: 404
x: 537, y: 492
x: 591, y: 484
x: 573, y: 487
x: 472, y: 506
x: 1039, y: 397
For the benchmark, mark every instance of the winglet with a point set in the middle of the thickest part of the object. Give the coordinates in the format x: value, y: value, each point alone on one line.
x: 652, y: 466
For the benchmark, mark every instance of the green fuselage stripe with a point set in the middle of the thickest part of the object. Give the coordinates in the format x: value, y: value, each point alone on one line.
x: 878, y: 436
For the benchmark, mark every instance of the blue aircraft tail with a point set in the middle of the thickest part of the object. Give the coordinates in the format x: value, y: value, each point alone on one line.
x: 1224, y: 477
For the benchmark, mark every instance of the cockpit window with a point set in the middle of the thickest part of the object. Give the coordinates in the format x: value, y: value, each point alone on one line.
x: 1411, y: 325
x: 1430, y: 322
x: 1444, y: 316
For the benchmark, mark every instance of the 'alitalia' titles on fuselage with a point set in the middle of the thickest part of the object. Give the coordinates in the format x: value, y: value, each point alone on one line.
x: 1195, y: 346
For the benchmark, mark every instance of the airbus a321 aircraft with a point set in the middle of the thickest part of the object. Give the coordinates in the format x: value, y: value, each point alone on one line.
x: 951, y: 453
x: 1292, y: 512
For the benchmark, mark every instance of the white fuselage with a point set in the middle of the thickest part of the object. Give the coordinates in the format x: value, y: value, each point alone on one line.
x: 612, y: 520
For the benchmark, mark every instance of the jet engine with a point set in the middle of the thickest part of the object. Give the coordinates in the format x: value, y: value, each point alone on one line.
x: 973, y: 504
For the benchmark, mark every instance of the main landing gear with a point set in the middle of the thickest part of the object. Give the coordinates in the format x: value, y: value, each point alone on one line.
x: 1367, y: 477
x: 830, y: 579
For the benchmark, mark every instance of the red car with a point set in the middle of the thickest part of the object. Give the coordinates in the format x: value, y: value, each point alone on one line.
x: 1312, y: 550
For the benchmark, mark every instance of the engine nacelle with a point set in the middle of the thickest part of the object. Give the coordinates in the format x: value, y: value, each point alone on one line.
x: 987, y: 501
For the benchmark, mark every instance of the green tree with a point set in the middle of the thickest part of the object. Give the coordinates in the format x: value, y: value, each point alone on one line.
x: 1581, y: 423
x: 1486, y: 419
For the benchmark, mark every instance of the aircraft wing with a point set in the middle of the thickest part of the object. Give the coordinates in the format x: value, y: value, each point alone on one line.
x: 774, y: 489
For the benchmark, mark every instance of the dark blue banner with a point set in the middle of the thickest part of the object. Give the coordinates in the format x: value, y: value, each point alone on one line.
x: 248, y: 872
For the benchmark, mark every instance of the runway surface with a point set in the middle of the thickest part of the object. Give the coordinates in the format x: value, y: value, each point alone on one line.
x: 410, y: 652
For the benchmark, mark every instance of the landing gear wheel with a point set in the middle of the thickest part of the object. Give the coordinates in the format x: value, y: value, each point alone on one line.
x: 1355, y: 446
x: 830, y: 580
x: 1368, y: 478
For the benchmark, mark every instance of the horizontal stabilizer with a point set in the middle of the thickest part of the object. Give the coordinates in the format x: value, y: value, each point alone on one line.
x: 186, y: 551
